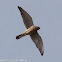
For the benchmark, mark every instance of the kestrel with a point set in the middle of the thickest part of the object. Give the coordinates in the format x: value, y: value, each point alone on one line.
x: 31, y: 30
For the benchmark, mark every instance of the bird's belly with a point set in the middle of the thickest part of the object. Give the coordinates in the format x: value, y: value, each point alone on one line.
x: 30, y: 30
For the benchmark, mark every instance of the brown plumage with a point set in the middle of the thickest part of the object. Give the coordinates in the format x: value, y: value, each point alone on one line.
x: 31, y: 30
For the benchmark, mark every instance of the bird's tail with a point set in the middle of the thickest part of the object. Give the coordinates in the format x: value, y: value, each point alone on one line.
x: 20, y: 36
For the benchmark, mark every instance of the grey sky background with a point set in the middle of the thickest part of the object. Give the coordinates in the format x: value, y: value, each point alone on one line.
x: 47, y: 14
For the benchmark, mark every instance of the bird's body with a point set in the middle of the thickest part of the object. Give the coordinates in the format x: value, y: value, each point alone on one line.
x: 31, y: 30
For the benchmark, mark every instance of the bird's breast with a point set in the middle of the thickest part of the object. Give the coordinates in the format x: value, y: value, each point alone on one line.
x: 30, y: 30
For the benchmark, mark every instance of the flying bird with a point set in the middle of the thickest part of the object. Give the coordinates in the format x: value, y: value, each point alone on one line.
x: 31, y: 30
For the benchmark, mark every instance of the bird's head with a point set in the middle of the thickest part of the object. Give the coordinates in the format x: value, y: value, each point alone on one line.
x: 37, y: 27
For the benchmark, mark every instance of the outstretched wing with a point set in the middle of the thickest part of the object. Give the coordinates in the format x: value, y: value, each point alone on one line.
x: 38, y: 42
x: 26, y: 18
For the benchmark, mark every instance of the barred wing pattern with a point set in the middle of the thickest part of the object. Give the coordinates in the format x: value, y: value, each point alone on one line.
x: 26, y: 18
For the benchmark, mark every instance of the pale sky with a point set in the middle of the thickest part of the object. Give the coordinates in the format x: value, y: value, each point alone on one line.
x: 47, y: 14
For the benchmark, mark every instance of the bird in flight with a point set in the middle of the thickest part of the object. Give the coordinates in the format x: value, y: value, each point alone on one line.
x: 31, y: 30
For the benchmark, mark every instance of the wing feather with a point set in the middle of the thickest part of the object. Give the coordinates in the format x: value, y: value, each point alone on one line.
x: 38, y: 42
x: 26, y: 18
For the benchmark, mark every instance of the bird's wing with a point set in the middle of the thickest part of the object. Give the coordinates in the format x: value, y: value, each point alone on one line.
x: 38, y: 42
x: 26, y: 18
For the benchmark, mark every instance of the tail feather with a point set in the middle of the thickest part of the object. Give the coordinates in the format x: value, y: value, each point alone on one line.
x: 20, y: 36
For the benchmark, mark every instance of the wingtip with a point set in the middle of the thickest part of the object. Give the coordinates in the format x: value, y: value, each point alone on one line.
x: 19, y: 8
x: 42, y: 54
